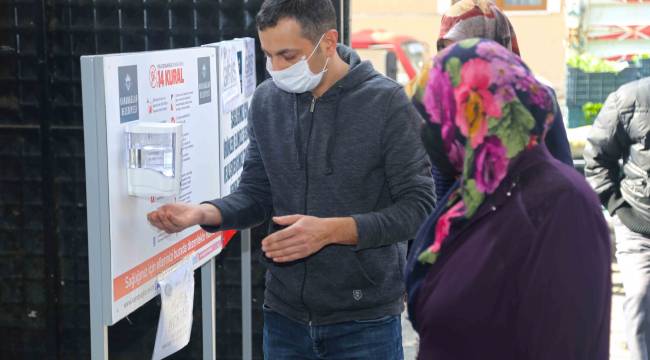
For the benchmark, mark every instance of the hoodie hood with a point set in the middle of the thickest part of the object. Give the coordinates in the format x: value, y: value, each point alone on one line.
x: 359, y: 72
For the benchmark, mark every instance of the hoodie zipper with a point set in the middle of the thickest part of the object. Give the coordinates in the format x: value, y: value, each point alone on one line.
x: 312, y: 107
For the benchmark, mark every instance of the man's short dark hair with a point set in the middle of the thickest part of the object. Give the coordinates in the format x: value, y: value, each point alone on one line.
x: 314, y: 16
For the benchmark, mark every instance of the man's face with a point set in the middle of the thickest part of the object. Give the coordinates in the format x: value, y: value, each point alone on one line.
x: 285, y: 45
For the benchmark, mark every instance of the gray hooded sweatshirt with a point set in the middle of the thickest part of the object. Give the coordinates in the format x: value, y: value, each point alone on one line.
x: 356, y: 152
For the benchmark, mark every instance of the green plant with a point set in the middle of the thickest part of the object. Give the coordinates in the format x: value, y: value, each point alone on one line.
x: 591, y: 110
x: 637, y: 58
x: 592, y: 64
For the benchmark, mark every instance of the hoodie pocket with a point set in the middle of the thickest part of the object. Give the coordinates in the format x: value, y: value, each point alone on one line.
x: 363, y: 271
x: 337, y: 280
x: 383, y: 265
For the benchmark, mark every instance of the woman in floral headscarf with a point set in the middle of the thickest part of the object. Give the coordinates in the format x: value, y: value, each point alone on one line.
x: 479, y: 19
x: 514, y: 264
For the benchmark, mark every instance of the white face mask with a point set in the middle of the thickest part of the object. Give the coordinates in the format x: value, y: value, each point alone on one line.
x: 298, y: 77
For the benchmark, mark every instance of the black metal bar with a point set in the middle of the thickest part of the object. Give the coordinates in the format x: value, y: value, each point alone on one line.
x: 342, y: 8
x: 52, y: 278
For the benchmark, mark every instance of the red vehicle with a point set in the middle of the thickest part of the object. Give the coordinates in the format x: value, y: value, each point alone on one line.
x: 400, y: 57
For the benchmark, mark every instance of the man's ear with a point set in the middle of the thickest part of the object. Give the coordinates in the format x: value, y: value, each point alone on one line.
x: 330, y: 40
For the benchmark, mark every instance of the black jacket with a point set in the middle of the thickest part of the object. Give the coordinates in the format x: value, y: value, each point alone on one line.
x: 621, y: 136
x: 355, y: 151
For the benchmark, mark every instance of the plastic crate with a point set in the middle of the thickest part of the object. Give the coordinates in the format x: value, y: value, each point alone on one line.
x: 627, y: 75
x: 577, y: 85
x: 645, y: 67
x: 576, y: 116
x: 585, y: 87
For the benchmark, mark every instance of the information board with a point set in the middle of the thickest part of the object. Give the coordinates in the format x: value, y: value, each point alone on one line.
x: 174, y: 86
x: 234, y: 113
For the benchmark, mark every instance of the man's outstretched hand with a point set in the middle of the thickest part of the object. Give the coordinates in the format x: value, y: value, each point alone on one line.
x: 173, y: 218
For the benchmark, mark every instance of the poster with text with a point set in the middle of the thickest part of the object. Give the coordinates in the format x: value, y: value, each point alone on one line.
x: 231, y: 66
x: 233, y: 117
x: 249, y: 76
x: 175, y: 86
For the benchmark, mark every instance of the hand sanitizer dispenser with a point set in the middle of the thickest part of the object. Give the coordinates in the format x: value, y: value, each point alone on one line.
x: 154, y: 159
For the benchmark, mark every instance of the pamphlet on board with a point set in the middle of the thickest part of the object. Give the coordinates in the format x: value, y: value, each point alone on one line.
x: 177, y: 296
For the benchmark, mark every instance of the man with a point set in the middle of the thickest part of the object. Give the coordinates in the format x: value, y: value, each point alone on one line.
x: 335, y: 158
x: 621, y: 132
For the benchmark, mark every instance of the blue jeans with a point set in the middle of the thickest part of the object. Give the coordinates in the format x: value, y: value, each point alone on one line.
x: 376, y: 339
x: 633, y: 255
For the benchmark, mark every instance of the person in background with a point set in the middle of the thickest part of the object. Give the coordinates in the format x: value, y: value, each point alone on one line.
x: 336, y: 162
x: 480, y: 19
x: 621, y: 136
x: 515, y: 262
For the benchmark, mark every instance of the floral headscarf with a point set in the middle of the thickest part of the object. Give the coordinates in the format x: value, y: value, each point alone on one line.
x: 464, y: 20
x: 489, y: 108
x: 477, y: 19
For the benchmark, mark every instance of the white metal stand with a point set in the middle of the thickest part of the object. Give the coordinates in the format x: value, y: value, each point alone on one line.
x: 246, y: 303
x: 99, y: 331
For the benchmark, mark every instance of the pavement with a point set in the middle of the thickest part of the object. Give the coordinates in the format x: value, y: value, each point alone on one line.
x: 617, y: 345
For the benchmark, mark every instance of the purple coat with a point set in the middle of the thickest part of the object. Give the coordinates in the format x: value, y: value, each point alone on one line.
x: 528, y: 277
